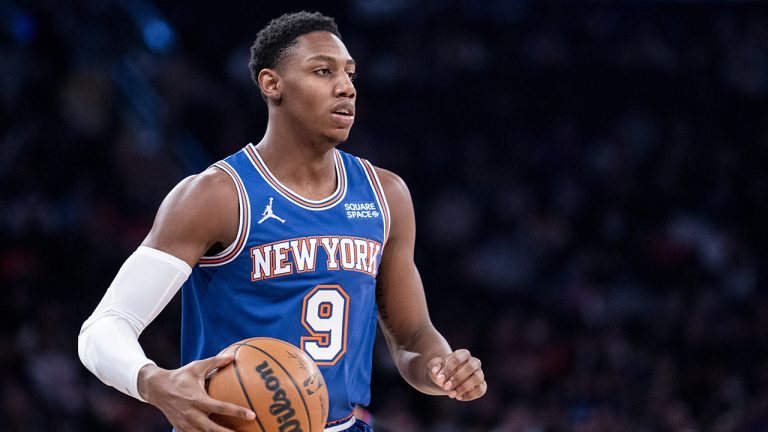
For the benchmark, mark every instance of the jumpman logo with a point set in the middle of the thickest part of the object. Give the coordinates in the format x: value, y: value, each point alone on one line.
x: 269, y: 214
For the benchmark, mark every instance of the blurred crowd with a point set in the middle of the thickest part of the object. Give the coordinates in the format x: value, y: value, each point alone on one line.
x: 589, y: 182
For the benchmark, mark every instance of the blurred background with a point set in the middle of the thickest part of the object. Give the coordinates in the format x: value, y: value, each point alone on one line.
x: 589, y: 178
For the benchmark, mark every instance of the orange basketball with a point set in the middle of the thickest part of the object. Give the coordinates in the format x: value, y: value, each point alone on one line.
x: 277, y: 381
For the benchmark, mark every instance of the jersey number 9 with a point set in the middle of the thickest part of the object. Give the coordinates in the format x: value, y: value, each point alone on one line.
x: 324, y: 314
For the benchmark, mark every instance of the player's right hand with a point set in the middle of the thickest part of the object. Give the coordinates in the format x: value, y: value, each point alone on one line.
x: 180, y: 394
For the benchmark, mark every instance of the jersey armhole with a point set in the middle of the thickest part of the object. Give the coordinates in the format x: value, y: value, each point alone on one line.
x: 244, y: 209
x: 381, y: 198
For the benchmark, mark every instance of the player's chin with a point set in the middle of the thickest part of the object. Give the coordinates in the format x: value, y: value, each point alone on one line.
x: 338, y: 136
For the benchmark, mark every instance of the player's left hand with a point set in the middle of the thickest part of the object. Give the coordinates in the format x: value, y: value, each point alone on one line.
x: 459, y: 374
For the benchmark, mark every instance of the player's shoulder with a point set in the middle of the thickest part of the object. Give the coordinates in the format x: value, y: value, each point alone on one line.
x: 200, y: 212
x: 400, y: 204
x: 212, y: 188
x: 212, y: 179
x: 395, y: 188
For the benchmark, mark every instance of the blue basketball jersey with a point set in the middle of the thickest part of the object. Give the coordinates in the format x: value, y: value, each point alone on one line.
x: 302, y: 271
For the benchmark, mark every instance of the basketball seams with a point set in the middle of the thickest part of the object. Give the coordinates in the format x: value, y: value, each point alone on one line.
x: 288, y: 374
x: 242, y: 386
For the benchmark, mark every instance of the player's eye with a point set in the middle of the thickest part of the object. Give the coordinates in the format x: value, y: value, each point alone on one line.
x: 323, y: 71
x: 352, y: 75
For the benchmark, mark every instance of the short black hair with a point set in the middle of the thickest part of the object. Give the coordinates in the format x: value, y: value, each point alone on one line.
x: 274, y: 40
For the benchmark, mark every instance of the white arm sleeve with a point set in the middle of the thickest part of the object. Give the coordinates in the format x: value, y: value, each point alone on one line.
x: 108, y: 344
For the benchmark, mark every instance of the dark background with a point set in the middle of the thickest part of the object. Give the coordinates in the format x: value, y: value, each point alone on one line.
x: 589, y: 180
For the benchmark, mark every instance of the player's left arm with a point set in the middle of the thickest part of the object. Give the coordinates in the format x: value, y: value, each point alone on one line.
x: 423, y: 356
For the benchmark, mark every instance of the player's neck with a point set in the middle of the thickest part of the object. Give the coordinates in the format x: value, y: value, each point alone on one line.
x: 306, y: 168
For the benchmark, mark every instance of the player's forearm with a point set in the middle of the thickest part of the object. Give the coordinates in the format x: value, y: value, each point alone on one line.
x: 412, y: 359
x: 108, y: 342
x: 108, y: 346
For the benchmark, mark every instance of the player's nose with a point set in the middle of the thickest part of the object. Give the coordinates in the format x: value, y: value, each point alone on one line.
x: 345, y: 87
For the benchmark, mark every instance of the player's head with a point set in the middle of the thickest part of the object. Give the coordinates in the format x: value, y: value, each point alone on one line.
x: 305, y: 72
x: 275, y: 40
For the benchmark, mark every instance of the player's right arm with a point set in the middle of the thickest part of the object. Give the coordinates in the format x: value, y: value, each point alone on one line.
x: 200, y: 214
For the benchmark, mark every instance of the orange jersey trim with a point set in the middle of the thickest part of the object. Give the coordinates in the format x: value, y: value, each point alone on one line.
x: 339, y: 421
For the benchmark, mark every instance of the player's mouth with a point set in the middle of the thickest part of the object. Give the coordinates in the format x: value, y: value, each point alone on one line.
x: 344, y: 113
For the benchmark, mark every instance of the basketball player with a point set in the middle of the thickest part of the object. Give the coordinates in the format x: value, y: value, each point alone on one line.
x: 289, y: 238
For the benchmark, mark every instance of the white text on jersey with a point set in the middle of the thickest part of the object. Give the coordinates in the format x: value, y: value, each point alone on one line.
x: 299, y: 255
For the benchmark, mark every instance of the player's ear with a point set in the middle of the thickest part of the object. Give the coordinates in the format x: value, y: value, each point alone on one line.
x: 270, y: 84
